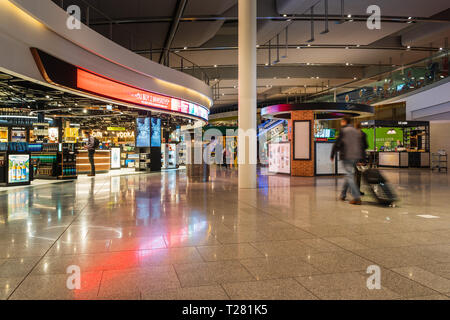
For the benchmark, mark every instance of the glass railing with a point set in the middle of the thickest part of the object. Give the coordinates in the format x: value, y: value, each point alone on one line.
x: 390, y: 84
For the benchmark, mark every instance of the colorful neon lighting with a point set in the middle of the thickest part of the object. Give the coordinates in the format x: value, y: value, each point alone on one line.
x: 115, y: 90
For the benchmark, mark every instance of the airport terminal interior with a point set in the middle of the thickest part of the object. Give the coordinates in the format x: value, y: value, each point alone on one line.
x: 202, y: 150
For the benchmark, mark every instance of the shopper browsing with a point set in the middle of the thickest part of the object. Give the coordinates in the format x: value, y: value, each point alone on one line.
x: 349, y: 147
x: 91, y: 145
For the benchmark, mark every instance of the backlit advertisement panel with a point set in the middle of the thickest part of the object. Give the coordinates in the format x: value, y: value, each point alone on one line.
x: 115, y: 158
x: 143, y: 132
x: 115, y: 90
x: 18, y: 168
x: 156, y: 132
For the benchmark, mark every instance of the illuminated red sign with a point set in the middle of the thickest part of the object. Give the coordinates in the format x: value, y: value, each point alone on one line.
x: 115, y: 90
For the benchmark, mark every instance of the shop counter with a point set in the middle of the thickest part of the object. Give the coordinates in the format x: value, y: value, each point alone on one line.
x: 404, y: 159
x: 102, y: 159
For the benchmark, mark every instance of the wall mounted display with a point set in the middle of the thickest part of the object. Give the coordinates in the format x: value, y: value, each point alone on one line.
x: 143, y: 132
x: 302, y: 140
x: 280, y: 157
x: 156, y: 132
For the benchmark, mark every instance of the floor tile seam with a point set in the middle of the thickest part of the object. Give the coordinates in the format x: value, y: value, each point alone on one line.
x: 275, y: 217
x: 100, y: 284
x: 259, y: 281
x: 390, y: 269
x: 223, y: 289
x: 46, y: 252
x: 419, y: 283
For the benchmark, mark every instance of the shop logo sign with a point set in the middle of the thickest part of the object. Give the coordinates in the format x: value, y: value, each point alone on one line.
x: 74, y: 280
x: 74, y: 19
x: 374, y: 281
x: 374, y: 20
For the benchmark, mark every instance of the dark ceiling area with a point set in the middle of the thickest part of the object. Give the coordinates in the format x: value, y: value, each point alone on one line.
x: 326, y: 47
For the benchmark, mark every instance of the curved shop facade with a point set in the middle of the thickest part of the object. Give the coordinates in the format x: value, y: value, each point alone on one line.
x: 37, y: 46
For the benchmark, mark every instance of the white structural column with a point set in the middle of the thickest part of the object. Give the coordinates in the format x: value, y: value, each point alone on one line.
x: 247, y: 93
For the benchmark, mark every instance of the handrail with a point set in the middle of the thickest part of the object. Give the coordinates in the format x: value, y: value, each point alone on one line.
x: 394, y: 77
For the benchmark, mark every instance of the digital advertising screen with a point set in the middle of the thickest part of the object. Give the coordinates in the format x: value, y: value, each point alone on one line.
x: 156, y: 132
x: 18, y: 168
x: 143, y: 132
x: 115, y: 158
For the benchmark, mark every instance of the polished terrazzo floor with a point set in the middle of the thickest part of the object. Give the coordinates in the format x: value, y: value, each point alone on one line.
x: 156, y: 236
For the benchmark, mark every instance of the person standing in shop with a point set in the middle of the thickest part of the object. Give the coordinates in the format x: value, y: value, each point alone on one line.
x: 90, y: 147
x: 349, y: 147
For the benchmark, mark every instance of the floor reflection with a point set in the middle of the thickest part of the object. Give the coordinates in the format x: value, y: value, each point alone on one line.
x: 157, y: 235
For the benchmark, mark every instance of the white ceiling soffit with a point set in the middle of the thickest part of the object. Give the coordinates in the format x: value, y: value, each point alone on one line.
x: 413, y: 8
x: 426, y: 33
x: 349, y: 33
x: 195, y: 34
x: 311, y: 55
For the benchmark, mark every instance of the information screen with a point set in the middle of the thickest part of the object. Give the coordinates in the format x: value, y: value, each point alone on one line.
x: 143, y: 132
x: 18, y: 168
x: 156, y: 132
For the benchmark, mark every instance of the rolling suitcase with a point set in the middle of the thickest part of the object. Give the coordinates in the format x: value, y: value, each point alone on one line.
x: 379, y: 186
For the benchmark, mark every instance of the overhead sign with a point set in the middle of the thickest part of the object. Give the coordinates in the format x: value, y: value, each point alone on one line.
x: 116, y: 129
x: 111, y: 89
x: 63, y: 74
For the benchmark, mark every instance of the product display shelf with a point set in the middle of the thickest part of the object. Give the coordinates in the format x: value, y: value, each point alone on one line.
x: 68, y: 165
x: 45, y: 165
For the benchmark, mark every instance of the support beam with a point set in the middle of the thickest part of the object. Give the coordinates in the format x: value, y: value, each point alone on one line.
x: 181, y: 6
x: 247, y: 94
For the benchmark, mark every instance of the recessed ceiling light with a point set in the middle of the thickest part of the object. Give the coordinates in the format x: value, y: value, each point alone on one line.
x: 357, y: 45
x: 347, y: 63
x: 349, y: 15
x: 285, y: 15
x: 215, y: 66
x: 309, y: 44
x: 185, y: 48
x: 298, y: 47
